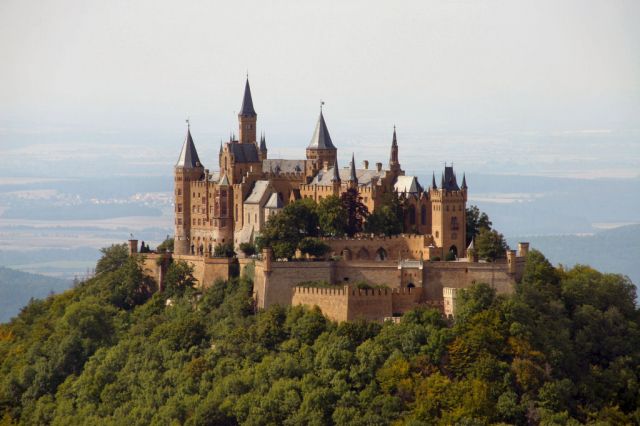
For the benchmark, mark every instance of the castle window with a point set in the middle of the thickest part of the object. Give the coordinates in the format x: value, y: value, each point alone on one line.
x: 179, y: 191
x: 248, y: 218
x: 179, y: 221
x: 437, y: 234
x: 255, y: 218
x: 412, y: 215
x: 179, y: 207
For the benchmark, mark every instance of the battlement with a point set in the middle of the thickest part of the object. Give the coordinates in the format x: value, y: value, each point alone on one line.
x: 337, y: 291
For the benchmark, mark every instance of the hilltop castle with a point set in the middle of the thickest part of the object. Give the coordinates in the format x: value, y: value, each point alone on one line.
x: 233, y: 204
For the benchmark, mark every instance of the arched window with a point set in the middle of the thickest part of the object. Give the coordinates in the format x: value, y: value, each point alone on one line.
x: 381, y: 254
x: 412, y: 215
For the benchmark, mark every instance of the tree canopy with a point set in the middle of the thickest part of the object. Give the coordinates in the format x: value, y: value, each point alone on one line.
x: 564, y: 349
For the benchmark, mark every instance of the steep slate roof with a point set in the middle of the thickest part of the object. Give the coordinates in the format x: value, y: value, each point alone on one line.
x: 352, y: 169
x: 321, y: 138
x: 407, y: 185
x: 286, y: 166
x: 274, y: 202
x: 449, y: 181
x: 365, y: 176
x: 188, y: 156
x: 259, y: 190
x: 244, y: 152
x: 263, y: 143
x: 336, y: 174
x: 247, y: 102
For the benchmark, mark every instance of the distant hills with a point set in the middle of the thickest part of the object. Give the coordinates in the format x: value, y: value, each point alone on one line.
x: 16, y: 288
x: 615, y: 250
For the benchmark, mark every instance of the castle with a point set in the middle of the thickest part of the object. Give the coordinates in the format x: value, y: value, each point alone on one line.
x: 233, y: 204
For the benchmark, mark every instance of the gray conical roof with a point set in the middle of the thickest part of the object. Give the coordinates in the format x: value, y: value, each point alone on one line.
x: 321, y: 138
x: 188, y: 156
x: 336, y: 172
x: 394, y: 142
x: 247, y: 102
x: 433, y: 181
x: 464, y: 181
x: 352, y: 172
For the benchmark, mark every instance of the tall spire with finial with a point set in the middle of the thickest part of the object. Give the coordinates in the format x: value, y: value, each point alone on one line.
x: 433, y: 181
x: 247, y: 101
x: 352, y: 170
x: 188, y: 156
x: 394, y: 163
x: 464, y: 181
x: 336, y: 172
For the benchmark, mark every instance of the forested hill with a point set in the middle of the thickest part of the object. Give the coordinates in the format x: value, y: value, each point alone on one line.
x: 17, y: 287
x: 563, y: 350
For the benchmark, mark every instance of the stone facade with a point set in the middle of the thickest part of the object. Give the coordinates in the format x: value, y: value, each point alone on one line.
x: 232, y: 204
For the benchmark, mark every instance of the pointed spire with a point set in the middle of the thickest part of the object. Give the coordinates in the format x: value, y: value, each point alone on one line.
x: 394, y: 142
x: 321, y: 138
x: 352, y: 172
x: 188, y: 156
x: 247, y: 102
x: 336, y: 172
x: 263, y: 143
x: 433, y: 181
x: 220, y: 146
x: 464, y: 181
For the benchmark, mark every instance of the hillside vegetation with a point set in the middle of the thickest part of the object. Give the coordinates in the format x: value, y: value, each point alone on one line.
x: 563, y: 350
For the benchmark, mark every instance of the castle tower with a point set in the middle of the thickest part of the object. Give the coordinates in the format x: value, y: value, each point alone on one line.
x: 247, y: 117
x: 188, y: 169
x: 321, y: 150
x: 448, y: 210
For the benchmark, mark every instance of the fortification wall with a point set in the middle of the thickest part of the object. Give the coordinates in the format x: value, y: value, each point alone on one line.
x: 405, y: 299
x: 368, y: 248
x: 464, y: 274
x: 331, y: 301
x: 371, y: 305
x: 378, y: 273
x: 274, y: 285
x: 206, y: 271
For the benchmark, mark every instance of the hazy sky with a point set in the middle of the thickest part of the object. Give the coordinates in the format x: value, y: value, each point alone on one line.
x: 497, y: 86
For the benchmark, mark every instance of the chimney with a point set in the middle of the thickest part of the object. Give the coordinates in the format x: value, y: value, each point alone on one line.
x: 366, y: 164
x: 379, y: 167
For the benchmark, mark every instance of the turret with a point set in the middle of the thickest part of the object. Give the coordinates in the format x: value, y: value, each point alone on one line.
x: 321, y: 150
x: 247, y: 117
x: 448, y: 224
x: 188, y: 169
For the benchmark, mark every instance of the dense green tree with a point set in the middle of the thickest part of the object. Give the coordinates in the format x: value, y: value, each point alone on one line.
x: 490, y: 245
x: 224, y: 250
x: 113, y: 257
x: 332, y: 217
x: 284, y: 231
x: 356, y: 212
x: 313, y: 247
x: 248, y: 249
x: 383, y: 221
x: 563, y: 349
x: 166, y: 245
x: 476, y: 221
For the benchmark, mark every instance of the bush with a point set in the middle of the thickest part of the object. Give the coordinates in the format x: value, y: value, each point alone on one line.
x: 313, y: 247
x: 224, y: 250
x: 450, y: 256
x: 165, y: 246
x: 248, y: 249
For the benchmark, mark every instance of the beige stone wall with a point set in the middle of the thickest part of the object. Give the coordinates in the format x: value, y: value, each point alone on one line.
x: 378, y: 273
x: 372, y: 305
x: 275, y: 286
x: 332, y: 302
x: 399, y: 246
x: 405, y: 299
x: 463, y: 274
